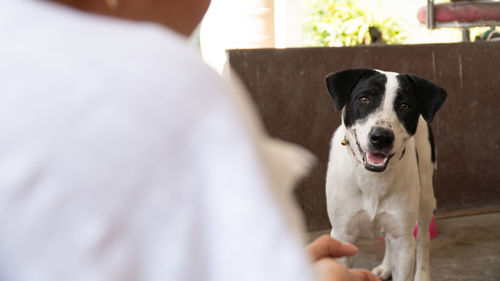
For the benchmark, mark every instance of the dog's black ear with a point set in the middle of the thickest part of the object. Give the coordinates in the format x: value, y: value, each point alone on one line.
x: 430, y: 96
x: 341, y: 84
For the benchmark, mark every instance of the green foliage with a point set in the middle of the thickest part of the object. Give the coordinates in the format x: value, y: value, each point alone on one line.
x: 343, y: 23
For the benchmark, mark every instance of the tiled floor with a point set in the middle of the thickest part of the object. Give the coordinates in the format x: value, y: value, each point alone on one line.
x: 467, y: 249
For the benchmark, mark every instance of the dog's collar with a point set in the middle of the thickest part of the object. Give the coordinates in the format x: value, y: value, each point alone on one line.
x: 345, y: 142
x: 402, y: 154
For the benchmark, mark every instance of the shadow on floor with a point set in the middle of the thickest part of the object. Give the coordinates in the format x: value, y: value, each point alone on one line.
x: 466, y: 249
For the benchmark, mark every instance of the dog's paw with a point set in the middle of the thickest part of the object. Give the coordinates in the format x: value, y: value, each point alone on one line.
x: 382, y: 272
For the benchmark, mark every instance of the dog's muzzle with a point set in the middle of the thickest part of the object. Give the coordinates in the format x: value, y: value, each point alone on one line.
x: 376, y: 161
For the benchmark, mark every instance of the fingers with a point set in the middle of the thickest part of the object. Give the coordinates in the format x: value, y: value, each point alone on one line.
x: 325, y: 246
x: 363, y: 275
x: 328, y: 269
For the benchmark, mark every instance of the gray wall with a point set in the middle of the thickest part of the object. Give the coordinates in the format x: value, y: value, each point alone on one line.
x: 289, y: 90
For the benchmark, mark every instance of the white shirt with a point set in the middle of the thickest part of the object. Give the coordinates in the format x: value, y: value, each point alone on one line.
x: 124, y: 157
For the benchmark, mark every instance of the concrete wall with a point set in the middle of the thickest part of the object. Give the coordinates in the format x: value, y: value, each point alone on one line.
x: 289, y: 90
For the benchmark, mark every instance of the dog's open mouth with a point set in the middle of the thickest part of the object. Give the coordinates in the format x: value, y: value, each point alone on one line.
x: 374, y: 161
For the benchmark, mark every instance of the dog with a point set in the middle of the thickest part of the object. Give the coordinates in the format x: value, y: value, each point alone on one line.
x: 381, y: 163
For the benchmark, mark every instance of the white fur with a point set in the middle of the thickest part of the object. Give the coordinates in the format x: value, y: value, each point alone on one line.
x: 368, y: 204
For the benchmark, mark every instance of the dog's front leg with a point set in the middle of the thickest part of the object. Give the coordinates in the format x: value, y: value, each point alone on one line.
x: 427, y: 206
x: 383, y: 271
x: 423, y: 250
x: 403, y: 258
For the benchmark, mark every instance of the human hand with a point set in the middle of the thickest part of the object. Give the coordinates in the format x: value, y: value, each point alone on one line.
x: 327, y: 247
x: 323, y: 252
x: 328, y: 269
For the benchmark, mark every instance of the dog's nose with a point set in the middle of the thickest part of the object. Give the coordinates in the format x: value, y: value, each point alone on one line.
x: 381, y: 138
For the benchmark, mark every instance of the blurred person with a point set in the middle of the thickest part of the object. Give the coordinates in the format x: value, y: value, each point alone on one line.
x: 124, y: 157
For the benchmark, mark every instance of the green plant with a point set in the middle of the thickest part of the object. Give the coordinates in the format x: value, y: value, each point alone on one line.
x: 343, y: 23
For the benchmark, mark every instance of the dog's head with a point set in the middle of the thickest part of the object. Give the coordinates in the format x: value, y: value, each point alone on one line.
x: 381, y: 111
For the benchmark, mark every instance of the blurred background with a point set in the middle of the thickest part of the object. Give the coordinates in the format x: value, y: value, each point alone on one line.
x: 237, y: 24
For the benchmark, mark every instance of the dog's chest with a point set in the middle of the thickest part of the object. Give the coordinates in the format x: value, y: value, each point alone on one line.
x: 366, y: 223
x: 379, y: 213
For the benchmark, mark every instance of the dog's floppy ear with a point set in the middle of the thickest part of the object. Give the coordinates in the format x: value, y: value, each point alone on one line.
x: 430, y: 96
x: 340, y: 84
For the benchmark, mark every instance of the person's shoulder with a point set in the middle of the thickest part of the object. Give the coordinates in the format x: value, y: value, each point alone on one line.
x: 107, y: 42
x: 142, y: 55
x: 157, y: 55
x: 143, y: 42
x: 108, y: 61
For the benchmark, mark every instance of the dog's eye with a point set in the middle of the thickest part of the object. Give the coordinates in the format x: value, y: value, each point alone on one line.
x: 364, y: 100
x: 404, y: 106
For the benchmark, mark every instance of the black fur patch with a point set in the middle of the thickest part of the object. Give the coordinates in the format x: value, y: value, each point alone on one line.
x: 406, y: 94
x: 431, y: 142
x: 340, y: 84
x: 416, y: 156
x: 372, y: 88
x: 430, y: 97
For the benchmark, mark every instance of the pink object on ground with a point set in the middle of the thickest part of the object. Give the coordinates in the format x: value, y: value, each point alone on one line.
x: 432, y: 229
x: 450, y: 12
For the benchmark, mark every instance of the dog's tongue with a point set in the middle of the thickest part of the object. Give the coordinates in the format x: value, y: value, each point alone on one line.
x: 376, y: 158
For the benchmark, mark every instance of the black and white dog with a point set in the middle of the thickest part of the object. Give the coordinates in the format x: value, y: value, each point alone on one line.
x: 379, y: 179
